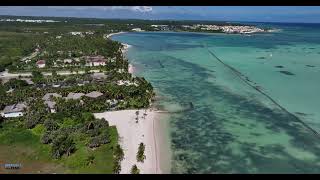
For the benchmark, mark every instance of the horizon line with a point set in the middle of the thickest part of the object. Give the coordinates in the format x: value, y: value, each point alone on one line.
x: 105, y: 18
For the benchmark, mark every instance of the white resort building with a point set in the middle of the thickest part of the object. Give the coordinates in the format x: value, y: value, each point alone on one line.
x: 96, y: 61
x: 137, y: 29
x: 76, y: 33
x: 15, y: 110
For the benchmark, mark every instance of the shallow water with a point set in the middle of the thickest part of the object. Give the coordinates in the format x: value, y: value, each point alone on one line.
x: 247, y: 118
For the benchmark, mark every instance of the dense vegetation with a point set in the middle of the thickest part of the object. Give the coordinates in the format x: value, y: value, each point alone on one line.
x: 73, y: 127
x: 70, y: 47
x: 19, y: 39
x: 14, y: 45
x: 128, y: 97
x: 68, y: 132
x: 135, y: 170
x: 71, y: 139
x: 19, y: 144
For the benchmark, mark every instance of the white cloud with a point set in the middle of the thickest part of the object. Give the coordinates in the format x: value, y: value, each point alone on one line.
x: 133, y: 8
x: 141, y: 9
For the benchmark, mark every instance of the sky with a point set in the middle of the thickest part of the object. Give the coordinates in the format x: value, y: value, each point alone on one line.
x: 306, y: 14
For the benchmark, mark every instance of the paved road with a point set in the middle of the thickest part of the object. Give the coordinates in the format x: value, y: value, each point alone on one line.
x: 8, y: 75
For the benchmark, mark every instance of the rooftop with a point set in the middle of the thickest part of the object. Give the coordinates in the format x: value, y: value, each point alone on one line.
x: 50, y: 104
x: 94, y: 94
x: 98, y: 58
x: 14, y: 108
x: 49, y: 95
x: 41, y: 62
x: 74, y: 95
x: 98, y: 75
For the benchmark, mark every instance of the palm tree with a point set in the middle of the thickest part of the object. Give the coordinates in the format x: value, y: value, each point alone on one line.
x: 145, y: 114
x: 137, y: 118
x: 135, y: 170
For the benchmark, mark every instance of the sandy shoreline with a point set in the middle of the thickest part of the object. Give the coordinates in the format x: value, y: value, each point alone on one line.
x: 148, y: 130
x: 111, y: 34
x: 125, y: 46
x: 131, y: 134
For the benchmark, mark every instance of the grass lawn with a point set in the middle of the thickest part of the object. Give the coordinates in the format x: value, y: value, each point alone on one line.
x: 20, y: 145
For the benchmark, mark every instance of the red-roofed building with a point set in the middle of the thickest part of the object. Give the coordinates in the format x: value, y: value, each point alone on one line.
x: 96, y: 61
x: 41, y: 63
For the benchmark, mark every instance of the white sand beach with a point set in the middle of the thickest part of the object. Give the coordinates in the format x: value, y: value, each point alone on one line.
x: 131, y: 134
x: 111, y: 34
x: 125, y: 46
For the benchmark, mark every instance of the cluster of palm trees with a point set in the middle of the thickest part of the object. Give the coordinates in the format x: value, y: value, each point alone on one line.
x: 140, y: 154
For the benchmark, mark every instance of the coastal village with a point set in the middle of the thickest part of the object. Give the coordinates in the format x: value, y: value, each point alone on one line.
x: 226, y: 28
x: 229, y: 29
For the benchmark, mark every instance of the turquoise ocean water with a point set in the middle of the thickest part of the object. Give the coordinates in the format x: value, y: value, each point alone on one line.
x: 256, y: 102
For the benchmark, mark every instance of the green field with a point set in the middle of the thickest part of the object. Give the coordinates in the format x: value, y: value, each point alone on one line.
x: 20, y: 145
